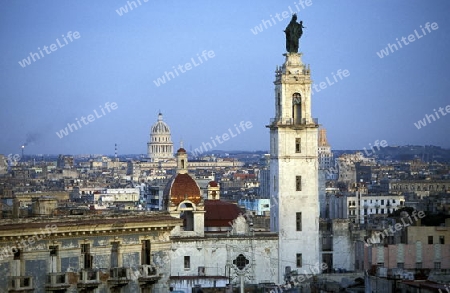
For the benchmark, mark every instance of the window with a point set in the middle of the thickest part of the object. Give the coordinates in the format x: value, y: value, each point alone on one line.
x: 241, y: 262
x: 418, y: 265
x: 298, y: 221
x: 382, y: 211
x: 114, y: 257
x: 437, y: 265
x: 382, y: 201
x: 298, y: 183
x: 17, y: 254
x: 187, y: 262
x: 53, y: 250
x: 87, y: 257
x: 299, y: 260
x: 400, y: 265
x: 441, y: 240
x: 430, y: 239
x: 145, y: 254
x: 85, y: 248
x: 297, y: 145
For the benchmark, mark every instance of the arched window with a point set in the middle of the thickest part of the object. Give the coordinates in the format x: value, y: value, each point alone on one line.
x: 297, y: 108
x: 188, y: 216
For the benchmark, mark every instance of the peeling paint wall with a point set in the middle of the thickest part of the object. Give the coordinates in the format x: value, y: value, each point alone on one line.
x: 35, y: 261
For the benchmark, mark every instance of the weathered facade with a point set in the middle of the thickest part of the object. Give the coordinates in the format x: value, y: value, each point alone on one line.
x: 114, y: 253
x: 215, y: 245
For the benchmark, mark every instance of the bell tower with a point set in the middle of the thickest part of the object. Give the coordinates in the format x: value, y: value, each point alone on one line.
x: 294, y: 168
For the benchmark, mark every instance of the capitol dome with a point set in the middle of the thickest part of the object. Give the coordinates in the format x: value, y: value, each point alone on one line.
x: 160, y: 146
x: 160, y: 127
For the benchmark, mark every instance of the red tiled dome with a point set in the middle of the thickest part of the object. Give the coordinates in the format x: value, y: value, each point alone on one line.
x: 182, y: 187
x: 181, y: 150
x: 212, y: 183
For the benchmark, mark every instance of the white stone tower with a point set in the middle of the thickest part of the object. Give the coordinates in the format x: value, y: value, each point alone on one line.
x: 294, y: 169
x: 160, y: 146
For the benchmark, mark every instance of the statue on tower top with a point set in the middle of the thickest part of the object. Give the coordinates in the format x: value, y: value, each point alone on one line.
x: 294, y: 32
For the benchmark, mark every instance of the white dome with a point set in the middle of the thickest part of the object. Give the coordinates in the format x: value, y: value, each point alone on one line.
x: 160, y: 146
x: 160, y: 127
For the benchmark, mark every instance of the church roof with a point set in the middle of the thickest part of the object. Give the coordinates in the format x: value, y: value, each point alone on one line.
x: 220, y: 213
x: 181, y: 187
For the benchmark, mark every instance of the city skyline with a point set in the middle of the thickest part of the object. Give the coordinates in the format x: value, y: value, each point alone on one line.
x: 378, y: 73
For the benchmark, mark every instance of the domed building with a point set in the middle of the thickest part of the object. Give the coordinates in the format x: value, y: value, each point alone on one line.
x: 160, y: 146
x: 214, y: 244
x: 182, y: 199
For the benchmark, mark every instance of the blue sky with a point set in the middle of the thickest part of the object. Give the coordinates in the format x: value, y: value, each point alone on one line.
x: 117, y: 58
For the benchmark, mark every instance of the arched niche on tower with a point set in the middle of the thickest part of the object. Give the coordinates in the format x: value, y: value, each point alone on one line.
x: 186, y: 209
x: 297, y: 108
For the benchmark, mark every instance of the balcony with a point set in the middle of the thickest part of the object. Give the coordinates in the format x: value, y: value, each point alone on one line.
x: 20, y: 284
x: 148, y: 274
x: 88, y: 278
x: 57, y: 282
x: 119, y: 277
x: 285, y: 122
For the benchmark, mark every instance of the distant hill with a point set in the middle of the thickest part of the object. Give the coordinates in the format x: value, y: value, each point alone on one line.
x: 427, y: 153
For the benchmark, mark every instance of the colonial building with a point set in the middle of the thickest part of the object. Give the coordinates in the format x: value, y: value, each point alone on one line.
x: 422, y: 188
x: 361, y: 206
x: 294, y: 168
x: 114, y: 253
x: 215, y: 245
